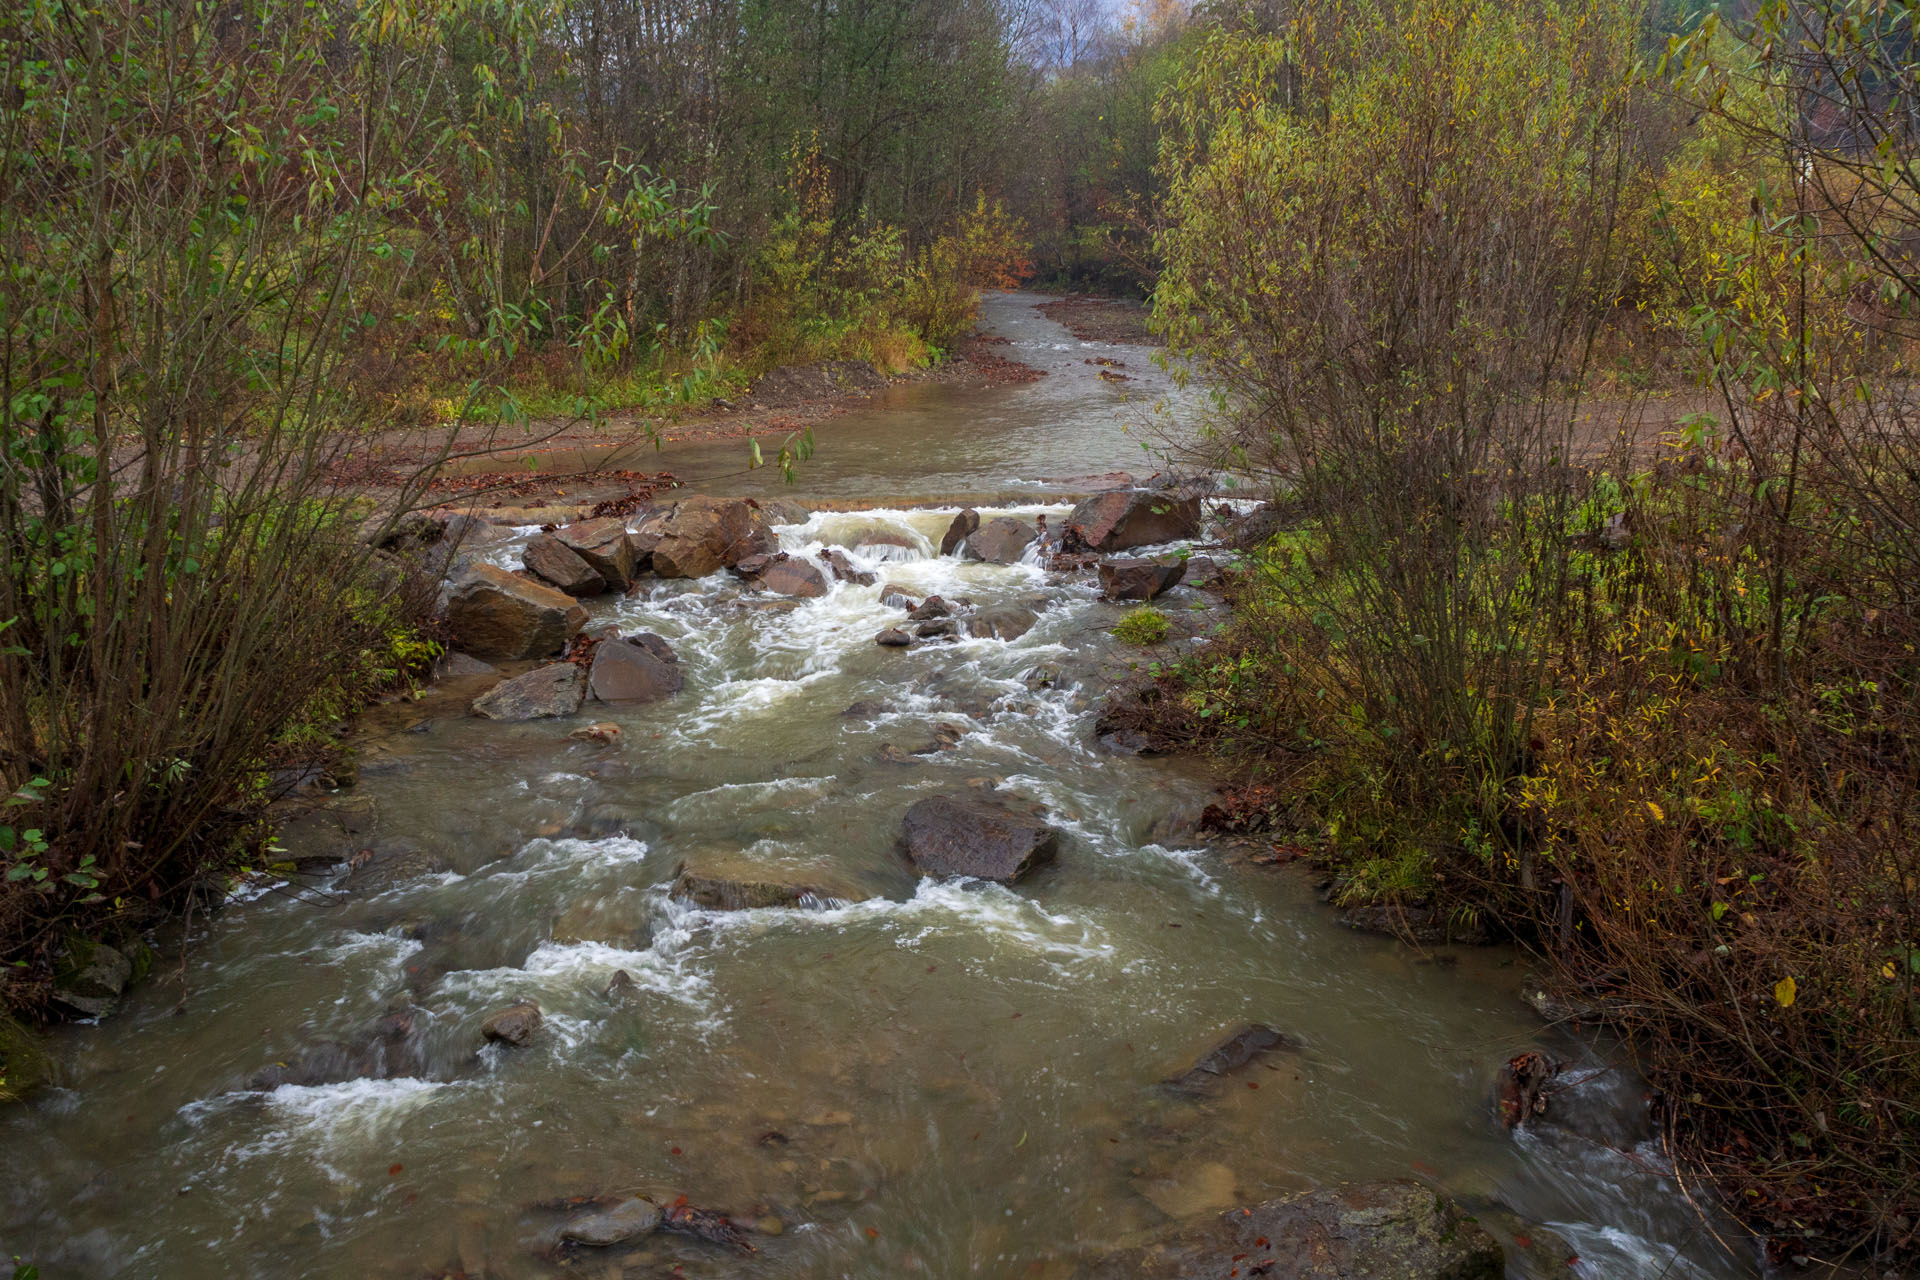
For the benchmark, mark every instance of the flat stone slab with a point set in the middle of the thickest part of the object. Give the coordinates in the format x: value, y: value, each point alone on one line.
x: 556, y: 689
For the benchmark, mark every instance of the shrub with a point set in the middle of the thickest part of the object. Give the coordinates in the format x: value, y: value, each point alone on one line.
x: 1143, y: 626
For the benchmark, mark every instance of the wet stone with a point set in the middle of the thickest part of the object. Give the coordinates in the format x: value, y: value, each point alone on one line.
x: 962, y: 527
x: 975, y: 835
x: 930, y: 608
x: 736, y: 883
x: 893, y: 638
x: 514, y: 1025
x: 632, y: 670
x: 556, y: 564
x: 543, y: 693
x: 1236, y: 1051
x: 1396, y: 1230
x: 627, y: 1220
x: 1001, y: 540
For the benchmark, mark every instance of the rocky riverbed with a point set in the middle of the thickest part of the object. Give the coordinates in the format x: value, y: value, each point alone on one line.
x: 753, y: 896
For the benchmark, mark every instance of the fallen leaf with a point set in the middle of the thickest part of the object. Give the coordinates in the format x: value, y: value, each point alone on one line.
x: 393, y: 1170
x: 1786, y: 991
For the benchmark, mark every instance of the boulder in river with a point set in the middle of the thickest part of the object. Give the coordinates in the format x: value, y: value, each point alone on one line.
x: 556, y: 564
x: 782, y: 510
x: 604, y: 545
x: 843, y: 569
x: 1135, y: 578
x: 893, y: 638
x: 1236, y: 1051
x: 701, y: 535
x: 959, y: 531
x: 734, y: 882
x: 975, y: 835
x: 788, y: 576
x: 1001, y: 540
x: 930, y: 608
x: 635, y: 669
x: 897, y: 598
x: 628, y: 1219
x: 513, y: 1025
x: 556, y: 689
x: 1397, y: 1230
x: 92, y: 981
x: 502, y: 617
x: 1001, y: 621
x: 1122, y: 518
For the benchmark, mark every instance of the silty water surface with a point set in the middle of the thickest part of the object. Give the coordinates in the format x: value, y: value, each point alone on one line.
x: 942, y: 1079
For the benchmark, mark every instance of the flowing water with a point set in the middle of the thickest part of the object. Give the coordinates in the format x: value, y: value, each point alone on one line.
x: 942, y: 1079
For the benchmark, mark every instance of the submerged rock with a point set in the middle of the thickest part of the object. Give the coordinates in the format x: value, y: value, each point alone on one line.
x: 895, y: 598
x: 554, y: 563
x: 556, y: 689
x: 1388, y: 1230
x: 635, y: 669
x: 514, y: 1025
x: 501, y: 617
x: 621, y: 988
x: 1230, y: 1055
x: 962, y: 527
x: 628, y: 1220
x: 737, y: 883
x: 391, y: 1048
x: 1122, y: 518
x: 1140, y: 579
x: 1001, y: 540
x: 1001, y: 621
x: 975, y: 835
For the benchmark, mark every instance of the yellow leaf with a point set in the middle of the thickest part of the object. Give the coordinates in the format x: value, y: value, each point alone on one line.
x: 1659, y: 814
x: 1784, y: 991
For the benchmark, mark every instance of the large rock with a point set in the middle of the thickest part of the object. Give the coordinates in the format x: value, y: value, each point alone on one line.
x: 702, y: 535
x: 93, y: 985
x: 787, y: 576
x: 635, y: 669
x: 1385, y: 1230
x: 556, y: 689
x: 962, y: 527
x: 735, y: 882
x: 1001, y: 540
x: 604, y: 545
x: 554, y: 563
x: 1123, y: 518
x: 1140, y: 579
x: 970, y: 835
x: 501, y: 617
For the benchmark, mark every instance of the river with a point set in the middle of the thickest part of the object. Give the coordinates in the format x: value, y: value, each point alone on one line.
x: 941, y: 1079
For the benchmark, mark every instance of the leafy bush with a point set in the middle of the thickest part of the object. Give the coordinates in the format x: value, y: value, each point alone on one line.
x: 1143, y: 626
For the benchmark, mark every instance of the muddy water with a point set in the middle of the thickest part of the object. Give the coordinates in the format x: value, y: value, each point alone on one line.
x: 1013, y: 443
x: 939, y: 1079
